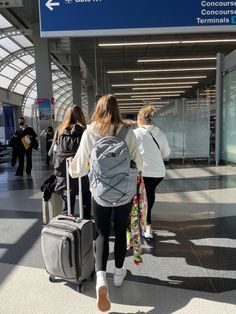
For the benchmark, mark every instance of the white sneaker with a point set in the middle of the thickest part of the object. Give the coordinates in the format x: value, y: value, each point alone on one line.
x: 119, y: 276
x: 148, y: 234
x: 103, y: 301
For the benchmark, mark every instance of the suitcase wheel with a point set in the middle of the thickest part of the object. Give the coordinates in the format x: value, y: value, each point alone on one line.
x: 52, y: 278
x: 80, y: 287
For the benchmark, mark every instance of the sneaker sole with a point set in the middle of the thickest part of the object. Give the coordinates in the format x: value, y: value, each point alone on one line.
x: 104, y: 304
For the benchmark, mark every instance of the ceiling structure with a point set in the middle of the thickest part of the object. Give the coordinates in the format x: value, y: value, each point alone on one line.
x: 137, y: 69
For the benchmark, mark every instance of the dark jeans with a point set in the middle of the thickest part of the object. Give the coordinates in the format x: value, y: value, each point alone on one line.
x: 21, y: 157
x: 150, y: 186
x: 102, y: 217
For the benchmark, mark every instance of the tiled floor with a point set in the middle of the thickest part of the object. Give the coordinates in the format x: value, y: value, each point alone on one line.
x: 189, y: 266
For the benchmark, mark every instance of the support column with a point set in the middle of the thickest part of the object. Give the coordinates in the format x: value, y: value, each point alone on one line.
x: 108, y: 85
x: 43, y: 70
x: 91, y: 100
x: 219, y: 92
x: 76, y: 73
x: 18, y: 113
x: 76, y: 85
x: 43, y: 80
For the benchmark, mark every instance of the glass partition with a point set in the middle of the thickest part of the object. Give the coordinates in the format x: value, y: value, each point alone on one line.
x: 186, y: 124
x: 229, y: 118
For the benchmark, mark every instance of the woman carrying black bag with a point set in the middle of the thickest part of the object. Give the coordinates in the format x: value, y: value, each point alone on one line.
x: 65, y: 144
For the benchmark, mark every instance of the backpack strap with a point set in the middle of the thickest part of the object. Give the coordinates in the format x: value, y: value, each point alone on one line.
x: 123, y: 131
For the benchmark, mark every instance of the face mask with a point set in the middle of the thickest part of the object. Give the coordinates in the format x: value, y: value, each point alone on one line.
x: 21, y: 123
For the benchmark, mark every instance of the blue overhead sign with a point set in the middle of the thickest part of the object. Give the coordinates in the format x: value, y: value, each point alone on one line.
x: 131, y: 17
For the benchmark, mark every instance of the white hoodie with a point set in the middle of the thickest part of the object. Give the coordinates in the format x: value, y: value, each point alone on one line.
x: 80, y: 165
x: 153, y: 165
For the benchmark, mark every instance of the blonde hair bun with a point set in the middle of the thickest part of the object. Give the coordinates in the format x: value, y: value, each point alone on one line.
x: 147, y: 112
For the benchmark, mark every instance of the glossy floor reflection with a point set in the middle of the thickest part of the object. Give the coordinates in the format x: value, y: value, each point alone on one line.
x: 189, y: 266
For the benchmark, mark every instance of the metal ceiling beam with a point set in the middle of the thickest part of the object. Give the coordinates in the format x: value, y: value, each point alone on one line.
x: 10, y: 97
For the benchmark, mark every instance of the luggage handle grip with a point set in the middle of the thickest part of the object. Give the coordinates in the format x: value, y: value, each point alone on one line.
x: 68, y: 187
x: 71, y: 218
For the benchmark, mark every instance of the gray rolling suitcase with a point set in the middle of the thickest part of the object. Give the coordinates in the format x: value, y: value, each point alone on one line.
x: 67, y: 245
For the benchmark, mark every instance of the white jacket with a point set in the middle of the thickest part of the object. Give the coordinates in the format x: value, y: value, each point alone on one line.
x: 153, y: 165
x: 80, y: 165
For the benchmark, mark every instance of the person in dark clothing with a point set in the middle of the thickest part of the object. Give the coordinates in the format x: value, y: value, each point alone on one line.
x: 49, y: 134
x: 65, y: 144
x: 23, y: 139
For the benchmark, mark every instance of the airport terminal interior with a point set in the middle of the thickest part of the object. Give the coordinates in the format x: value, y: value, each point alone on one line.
x: 190, y: 264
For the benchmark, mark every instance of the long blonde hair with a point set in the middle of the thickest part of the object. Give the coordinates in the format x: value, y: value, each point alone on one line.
x: 107, y: 113
x: 73, y: 115
x: 146, y: 113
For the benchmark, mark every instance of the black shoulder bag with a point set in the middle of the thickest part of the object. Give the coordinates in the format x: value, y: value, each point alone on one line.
x: 154, y: 139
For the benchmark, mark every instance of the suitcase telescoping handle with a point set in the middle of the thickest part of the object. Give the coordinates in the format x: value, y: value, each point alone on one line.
x: 68, y: 192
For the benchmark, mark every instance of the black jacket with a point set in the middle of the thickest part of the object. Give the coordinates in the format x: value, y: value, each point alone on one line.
x: 19, y: 134
x: 48, y: 187
x: 67, y: 146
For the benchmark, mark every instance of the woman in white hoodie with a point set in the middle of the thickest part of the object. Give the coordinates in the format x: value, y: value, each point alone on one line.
x: 153, y: 147
x: 106, y: 120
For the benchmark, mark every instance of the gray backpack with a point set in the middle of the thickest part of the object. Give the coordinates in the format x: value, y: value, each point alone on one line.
x: 112, y: 174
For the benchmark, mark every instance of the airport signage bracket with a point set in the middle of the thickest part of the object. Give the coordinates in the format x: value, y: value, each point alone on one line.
x: 84, y: 18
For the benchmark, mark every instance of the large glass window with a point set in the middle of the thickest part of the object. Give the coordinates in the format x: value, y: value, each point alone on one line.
x: 229, y: 117
x: 17, y: 70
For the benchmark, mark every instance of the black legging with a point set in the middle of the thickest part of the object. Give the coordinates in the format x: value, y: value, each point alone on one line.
x: 102, y: 216
x: 86, y: 197
x: 86, y: 205
x: 150, y: 186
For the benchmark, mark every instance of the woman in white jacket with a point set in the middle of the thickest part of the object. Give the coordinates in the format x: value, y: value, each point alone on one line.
x: 106, y: 120
x: 153, y: 147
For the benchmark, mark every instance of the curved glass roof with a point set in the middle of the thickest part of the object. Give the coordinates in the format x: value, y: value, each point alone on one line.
x: 17, y: 71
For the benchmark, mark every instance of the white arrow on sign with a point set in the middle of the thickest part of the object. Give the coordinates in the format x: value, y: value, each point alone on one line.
x: 50, y: 4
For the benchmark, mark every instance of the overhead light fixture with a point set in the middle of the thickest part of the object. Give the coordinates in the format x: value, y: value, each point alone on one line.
x: 209, y: 41
x: 160, y: 70
x: 144, y: 98
x: 153, y: 84
x: 126, y: 99
x: 139, y: 105
x: 161, y: 87
x: 144, y: 43
x: 133, y: 99
x: 153, y: 96
x: 128, y: 103
x: 132, y: 104
x: 143, y: 93
x: 177, y: 59
x: 207, y: 94
x: 169, y: 42
x: 169, y: 78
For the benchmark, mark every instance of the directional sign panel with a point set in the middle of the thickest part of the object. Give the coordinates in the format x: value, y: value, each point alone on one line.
x: 128, y: 17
